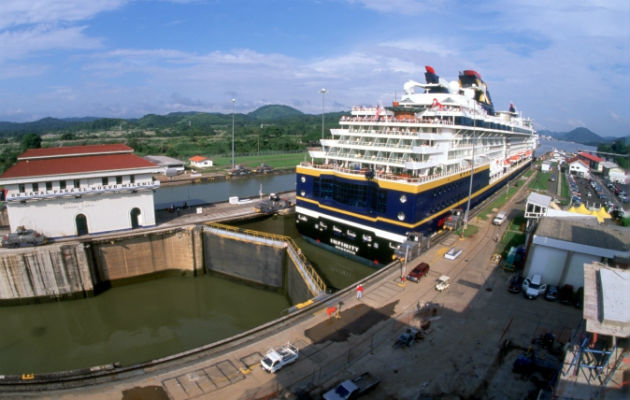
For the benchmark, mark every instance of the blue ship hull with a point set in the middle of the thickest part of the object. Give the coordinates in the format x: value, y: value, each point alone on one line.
x: 365, y: 218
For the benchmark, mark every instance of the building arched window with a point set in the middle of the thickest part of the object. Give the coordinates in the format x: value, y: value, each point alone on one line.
x: 135, y: 218
x: 81, y: 224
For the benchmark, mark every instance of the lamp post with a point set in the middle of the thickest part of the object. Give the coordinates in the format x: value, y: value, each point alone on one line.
x: 323, y: 92
x: 233, y: 105
x: 472, y: 167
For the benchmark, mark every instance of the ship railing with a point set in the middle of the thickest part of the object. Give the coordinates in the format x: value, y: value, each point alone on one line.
x: 405, y: 120
x: 304, y: 267
x: 382, y: 175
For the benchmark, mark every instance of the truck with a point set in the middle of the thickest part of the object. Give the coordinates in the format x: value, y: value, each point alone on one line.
x: 352, y: 388
x: 272, y: 204
x: 23, y: 237
x: 454, y: 220
x: 263, y: 169
x: 278, y: 357
x: 240, y: 170
x: 412, y: 247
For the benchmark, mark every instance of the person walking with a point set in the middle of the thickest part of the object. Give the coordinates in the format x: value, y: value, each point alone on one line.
x: 359, y: 291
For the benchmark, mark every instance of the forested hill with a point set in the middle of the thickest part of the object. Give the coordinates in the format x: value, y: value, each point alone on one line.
x: 266, y: 114
x: 580, y: 135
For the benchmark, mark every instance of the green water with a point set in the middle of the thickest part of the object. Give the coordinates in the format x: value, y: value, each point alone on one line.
x: 131, y: 324
x: 152, y: 319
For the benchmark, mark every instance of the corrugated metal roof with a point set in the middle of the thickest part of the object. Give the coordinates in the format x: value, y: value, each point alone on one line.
x: 539, y: 199
x: 585, y: 231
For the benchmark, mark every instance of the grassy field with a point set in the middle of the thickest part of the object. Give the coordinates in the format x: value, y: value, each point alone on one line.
x: 540, y: 181
x: 500, y: 200
x: 470, y: 230
x: 513, y: 235
x: 276, y: 160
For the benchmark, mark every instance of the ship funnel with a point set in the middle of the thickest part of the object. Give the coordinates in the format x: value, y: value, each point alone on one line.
x: 430, y: 75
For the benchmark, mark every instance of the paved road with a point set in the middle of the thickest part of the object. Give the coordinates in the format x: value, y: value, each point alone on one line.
x: 459, y: 353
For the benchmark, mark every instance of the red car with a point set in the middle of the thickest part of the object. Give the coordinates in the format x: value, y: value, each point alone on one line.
x: 418, y: 272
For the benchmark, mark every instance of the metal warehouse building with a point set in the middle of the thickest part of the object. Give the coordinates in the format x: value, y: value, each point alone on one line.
x: 561, y: 246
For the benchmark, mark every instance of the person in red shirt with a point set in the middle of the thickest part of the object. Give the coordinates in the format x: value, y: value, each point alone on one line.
x: 359, y: 292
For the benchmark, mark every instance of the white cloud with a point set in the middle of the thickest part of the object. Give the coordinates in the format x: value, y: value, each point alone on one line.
x: 410, y: 7
x: 24, y: 12
x: 21, y: 43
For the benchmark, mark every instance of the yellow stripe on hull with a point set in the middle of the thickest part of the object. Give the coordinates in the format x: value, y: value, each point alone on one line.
x: 413, y: 188
x: 394, y: 222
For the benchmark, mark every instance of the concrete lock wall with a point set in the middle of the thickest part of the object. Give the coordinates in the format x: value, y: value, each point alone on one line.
x: 133, y: 256
x: 75, y: 269
x: 246, y: 260
x: 296, y: 288
x: 257, y: 260
x: 48, y: 272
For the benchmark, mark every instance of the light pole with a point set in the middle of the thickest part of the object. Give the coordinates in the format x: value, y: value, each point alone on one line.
x: 233, y: 105
x: 472, y: 167
x: 323, y: 92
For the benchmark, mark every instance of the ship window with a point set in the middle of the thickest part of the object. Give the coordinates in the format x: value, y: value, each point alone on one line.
x: 401, y: 216
x: 379, y: 201
x: 302, y: 179
x: 350, y: 194
x: 403, y: 198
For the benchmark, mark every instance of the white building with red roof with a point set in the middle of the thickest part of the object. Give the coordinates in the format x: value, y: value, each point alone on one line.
x: 78, y: 190
x: 200, y: 162
x: 593, y: 162
x: 579, y: 168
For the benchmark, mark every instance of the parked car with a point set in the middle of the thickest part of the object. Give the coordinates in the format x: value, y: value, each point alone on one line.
x: 453, y: 253
x: 533, y: 286
x: 498, y: 220
x: 442, y: 283
x: 418, y: 272
x: 565, y: 294
x: 515, y: 284
x: 552, y: 293
x: 350, y: 389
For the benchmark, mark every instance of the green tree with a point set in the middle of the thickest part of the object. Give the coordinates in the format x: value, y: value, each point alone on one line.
x: 31, y: 141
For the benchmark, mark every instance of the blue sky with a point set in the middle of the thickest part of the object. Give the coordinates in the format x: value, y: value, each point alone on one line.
x: 564, y: 63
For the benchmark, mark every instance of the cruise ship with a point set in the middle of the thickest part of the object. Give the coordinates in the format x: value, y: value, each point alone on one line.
x: 389, y: 171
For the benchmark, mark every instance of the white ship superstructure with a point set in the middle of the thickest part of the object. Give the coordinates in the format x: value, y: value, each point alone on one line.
x: 389, y: 170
